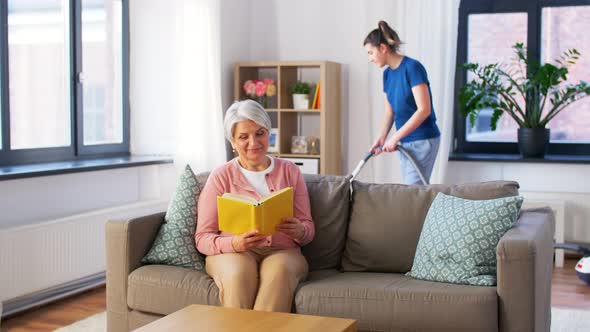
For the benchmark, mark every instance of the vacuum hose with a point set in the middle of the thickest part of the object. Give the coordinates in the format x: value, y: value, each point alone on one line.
x: 402, y: 150
x: 573, y: 247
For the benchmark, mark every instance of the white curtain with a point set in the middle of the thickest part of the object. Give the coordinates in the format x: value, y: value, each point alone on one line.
x: 428, y: 30
x: 200, y: 140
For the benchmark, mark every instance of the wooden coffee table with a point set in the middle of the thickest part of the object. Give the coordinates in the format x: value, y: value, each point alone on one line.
x: 198, y: 317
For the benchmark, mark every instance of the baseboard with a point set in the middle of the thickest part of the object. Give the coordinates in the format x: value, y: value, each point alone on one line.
x: 23, y: 303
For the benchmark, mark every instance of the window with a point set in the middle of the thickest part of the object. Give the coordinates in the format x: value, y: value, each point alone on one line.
x: 487, y: 31
x: 63, y: 79
x: 560, y: 29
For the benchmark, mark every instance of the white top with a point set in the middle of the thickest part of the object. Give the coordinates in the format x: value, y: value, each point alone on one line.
x: 258, y: 179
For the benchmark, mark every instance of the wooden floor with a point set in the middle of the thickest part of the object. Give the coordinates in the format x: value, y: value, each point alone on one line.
x: 58, y: 314
x: 566, y: 291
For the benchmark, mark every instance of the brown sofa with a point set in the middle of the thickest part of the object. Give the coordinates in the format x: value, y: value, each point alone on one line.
x: 363, y: 247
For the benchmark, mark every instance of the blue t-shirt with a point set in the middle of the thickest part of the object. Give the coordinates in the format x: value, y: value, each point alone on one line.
x: 397, y: 84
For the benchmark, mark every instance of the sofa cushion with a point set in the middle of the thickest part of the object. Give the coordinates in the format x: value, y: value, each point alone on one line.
x: 394, y: 302
x: 329, y: 197
x: 163, y: 289
x: 459, y: 239
x: 175, y: 242
x: 386, y: 220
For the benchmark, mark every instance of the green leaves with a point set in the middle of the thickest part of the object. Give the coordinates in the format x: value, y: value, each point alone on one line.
x: 300, y: 88
x: 495, y: 117
x: 521, y: 52
x: 503, y: 89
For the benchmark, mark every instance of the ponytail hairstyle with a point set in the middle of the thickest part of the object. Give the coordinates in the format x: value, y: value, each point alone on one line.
x: 384, y: 35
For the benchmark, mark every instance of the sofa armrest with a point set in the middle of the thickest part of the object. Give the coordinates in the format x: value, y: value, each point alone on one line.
x: 127, y: 241
x: 525, y: 263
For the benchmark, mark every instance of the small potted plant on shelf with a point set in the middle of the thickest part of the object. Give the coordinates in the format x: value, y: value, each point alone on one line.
x: 300, y: 91
x: 505, y: 89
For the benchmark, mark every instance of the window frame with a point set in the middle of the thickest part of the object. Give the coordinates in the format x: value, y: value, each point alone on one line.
x: 533, y: 9
x: 76, y: 150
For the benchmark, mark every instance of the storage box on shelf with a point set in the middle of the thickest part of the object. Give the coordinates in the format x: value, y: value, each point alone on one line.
x: 322, y: 123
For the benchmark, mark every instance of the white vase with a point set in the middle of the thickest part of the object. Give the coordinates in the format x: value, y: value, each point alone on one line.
x: 300, y: 101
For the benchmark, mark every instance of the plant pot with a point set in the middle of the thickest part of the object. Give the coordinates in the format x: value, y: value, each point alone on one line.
x: 300, y: 101
x: 533, y: 142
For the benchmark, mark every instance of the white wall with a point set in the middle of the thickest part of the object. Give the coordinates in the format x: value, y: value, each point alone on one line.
x: 235, y: 43
x: 568, y: 182
x: 334, y: 30
x: 321, y: 30
x: 45, y: 198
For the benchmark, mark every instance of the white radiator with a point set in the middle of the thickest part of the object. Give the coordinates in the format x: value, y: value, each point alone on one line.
x: 40, y: 256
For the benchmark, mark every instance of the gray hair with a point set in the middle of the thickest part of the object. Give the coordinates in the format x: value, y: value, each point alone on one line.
x: 241, y: 111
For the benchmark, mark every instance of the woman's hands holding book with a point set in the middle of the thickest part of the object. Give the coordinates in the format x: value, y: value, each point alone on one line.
x: 247, y: 241
x: 293, y: 228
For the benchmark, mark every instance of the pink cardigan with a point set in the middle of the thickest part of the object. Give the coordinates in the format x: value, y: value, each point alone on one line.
x: 228, y: 178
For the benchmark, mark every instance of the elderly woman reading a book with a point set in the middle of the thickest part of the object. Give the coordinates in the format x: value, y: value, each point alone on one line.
x: 253, y: 270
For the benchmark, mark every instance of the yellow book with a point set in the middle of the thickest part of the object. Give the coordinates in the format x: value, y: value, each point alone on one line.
x: 238, y: 214
x: 315, y: 96
x: 318, y: 104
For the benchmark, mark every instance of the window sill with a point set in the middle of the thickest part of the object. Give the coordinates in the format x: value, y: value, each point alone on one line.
x: 76, y: 166
x: 516, y: 158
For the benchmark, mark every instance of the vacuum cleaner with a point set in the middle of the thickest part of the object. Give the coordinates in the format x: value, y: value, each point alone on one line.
x: 402, y: 150
x: 583, y: 266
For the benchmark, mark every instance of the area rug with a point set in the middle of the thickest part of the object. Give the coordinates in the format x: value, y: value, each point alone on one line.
x: 566, y: 320
x: 95, y: 323
x: 562, y: 320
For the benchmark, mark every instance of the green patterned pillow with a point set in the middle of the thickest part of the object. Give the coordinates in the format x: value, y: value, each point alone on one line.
x: 459, y: 238
x: 175, y: 242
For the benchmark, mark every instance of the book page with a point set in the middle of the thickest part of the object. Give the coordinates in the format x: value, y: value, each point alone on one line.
x: 269, y: 197
x: 241, y: 198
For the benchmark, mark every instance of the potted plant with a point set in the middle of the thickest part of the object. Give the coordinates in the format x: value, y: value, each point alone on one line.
x: 539, y: 86
x: 300, y: 91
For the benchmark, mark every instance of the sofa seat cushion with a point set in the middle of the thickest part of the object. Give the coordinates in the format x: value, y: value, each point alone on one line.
x: 163, y: 289
x: 394, y: 302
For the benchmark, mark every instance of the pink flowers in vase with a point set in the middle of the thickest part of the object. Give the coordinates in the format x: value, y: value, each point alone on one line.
x: 260, y: 89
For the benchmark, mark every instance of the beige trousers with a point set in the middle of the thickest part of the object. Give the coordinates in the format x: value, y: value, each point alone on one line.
x: 261, y: 279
